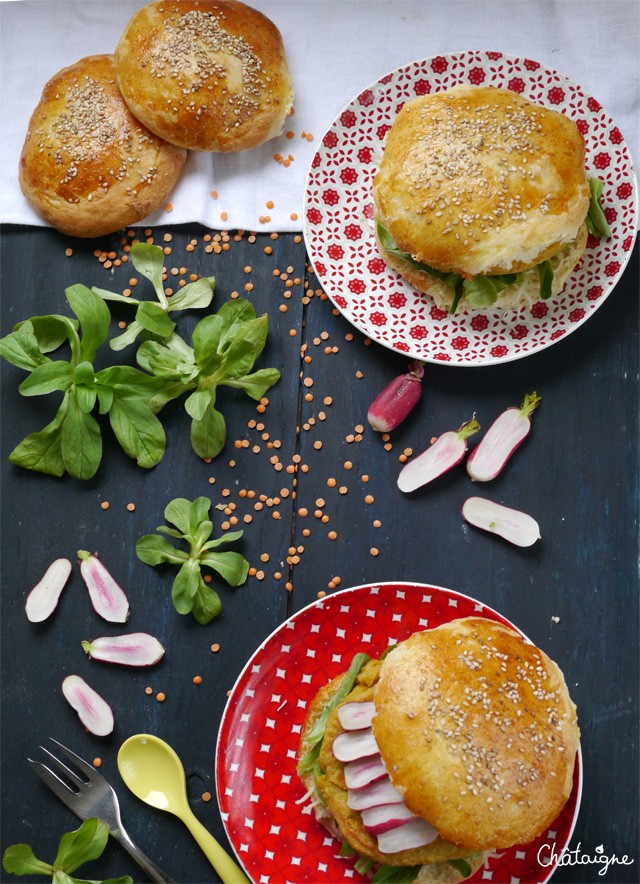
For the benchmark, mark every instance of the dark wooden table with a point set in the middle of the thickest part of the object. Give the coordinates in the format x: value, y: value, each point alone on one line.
x: 575, y: 593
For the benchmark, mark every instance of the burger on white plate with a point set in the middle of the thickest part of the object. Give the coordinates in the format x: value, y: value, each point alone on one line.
x: 458, y: 742
x: 482, y: 199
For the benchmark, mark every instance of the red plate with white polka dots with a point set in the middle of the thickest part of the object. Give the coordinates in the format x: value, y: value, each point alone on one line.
x: 267, y: 819
x: 339, y: 210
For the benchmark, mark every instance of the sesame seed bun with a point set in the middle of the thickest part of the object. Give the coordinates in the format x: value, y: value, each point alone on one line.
x: 207, y: 75
x: 476, y: 180
x: 519, y: 294
x: 478, y: 732
x: 87, y: 166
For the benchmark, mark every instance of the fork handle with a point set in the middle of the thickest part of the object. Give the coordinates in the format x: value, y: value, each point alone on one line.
x: 152, y: 870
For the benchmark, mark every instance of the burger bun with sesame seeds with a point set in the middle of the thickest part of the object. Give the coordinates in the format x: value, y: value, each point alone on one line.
x: 88, y: 167
x: 475, y: 182
x: 208, y: 75
x: 477, y: 734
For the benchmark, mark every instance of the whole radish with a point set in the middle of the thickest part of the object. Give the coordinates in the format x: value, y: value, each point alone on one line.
x: 447, y: 451
x: 397, y: 400
x: 500, y: 441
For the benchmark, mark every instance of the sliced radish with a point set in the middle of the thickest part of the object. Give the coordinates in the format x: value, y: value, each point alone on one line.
x: 513, y: 525
x: 354, y: 716
x: 94, y: 712
x: 397, y: 400
x: 415, y: 833
x: 500, y: 441
x: 360, y: 774
x: 380, y: 792
x: 43, y: 598
x: 378, y: 820
x: 447, y: 451
x: 135, y: 649
x: 107, y: 597
x: 352, y: 745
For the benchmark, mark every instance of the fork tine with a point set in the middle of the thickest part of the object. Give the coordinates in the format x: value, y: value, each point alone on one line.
x: 88, y: 769
x: 63, y: 791
x: 67, y: 771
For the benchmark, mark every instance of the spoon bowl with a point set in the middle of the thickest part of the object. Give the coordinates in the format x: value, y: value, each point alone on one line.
x: 154, y: 773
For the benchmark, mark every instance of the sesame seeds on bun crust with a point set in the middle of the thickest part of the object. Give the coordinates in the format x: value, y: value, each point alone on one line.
x: 477, y: 180
x: 87, y: 166
x: 477, y: 731
x: 207, y: 75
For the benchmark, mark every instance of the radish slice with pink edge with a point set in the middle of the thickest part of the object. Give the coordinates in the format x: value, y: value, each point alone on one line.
x: 503, y: 437
x: 414, y: 833
x: 43, y: 598
x: 352, y: 745
x: 135, y: 649
x: 361, y: 773
x: 107, y: 596
x: 378, y: 820
x: 512, y: 525
x: 94, y: 712
x: 447, y: 451
x: 356, y: 715
x: 380, y: 792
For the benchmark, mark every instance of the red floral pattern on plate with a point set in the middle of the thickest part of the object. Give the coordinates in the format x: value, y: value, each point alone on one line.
x: 268, y: 822
x: 345, y: 165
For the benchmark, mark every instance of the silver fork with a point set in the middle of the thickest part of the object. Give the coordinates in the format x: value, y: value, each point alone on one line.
x: 88, y: 794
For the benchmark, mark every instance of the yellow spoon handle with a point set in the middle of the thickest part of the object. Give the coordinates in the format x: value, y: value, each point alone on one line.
x: 227, y: 868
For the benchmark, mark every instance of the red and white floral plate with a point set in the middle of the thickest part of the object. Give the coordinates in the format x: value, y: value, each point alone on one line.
x: 267, y: 819
x: 339, y: 210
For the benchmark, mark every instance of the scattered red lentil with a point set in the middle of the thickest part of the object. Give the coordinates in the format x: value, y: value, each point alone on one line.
x: 97, y: 762
x: 197, y: 679
x: 105, y: 505
x: 215, y: 648
x: 131, y: 507
x: 161, y: 697
x: 206, y: 796
x: 148, y: 690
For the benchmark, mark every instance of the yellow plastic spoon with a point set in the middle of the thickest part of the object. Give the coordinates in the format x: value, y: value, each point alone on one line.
x: 154, y: 773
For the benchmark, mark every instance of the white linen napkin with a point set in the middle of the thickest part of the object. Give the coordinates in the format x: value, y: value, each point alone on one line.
x: 335, y: 48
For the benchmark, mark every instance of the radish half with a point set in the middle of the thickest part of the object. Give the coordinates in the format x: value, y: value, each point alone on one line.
x: 447, y: 451
x: 94, y: 712
x: 500, y: 441
x: 513, y: 525
x: 43, y: 598
x: 107, y: 597
x: 135, y: 649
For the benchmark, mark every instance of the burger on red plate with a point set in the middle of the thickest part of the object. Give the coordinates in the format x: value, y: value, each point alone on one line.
x: 458, y: 742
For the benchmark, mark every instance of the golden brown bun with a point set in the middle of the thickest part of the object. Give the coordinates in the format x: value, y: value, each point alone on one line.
x: 478, y: 732
x: 331, y: 785
x: 205, y: 74
x: 520, y: 294
x: 88, y: 167
x: 476, y: 179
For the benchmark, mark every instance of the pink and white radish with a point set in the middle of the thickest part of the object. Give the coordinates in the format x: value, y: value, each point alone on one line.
x: 500, y: 441
x: 370, y: 790
x: 361, y: 773
x: 415, y: 833
x: 380, y: 792
x: 43, y: 598
x: 353, y: 716
x: 397, y: 400
x: 107, y: 596
x: 94, y: 712
x: 512, y: 525
x: 447, y: 451
x: 352, y: 745
x: 135, y: 649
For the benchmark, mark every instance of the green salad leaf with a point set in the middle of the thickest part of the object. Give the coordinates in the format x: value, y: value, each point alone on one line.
x: 225, y: 346
x: 596, y: 220
x: 76, y: 848
x: 72, y: 441
x: 192, y: 527
x: 152, y: 319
